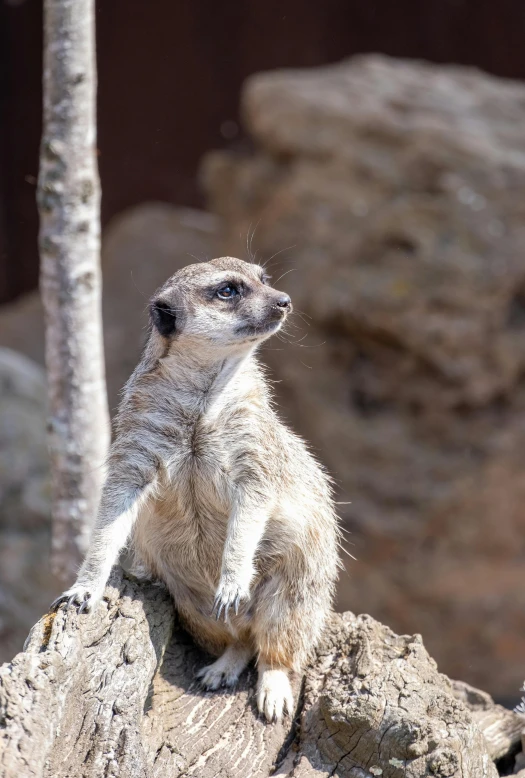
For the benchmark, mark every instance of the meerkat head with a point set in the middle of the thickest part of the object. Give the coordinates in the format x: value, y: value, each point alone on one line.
x: 225, y: 302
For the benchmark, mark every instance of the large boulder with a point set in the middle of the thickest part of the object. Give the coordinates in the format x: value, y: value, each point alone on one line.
x: 26, y: 586
x: 395, y: 191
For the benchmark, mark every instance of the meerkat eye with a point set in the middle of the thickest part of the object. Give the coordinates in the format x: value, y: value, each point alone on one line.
x: 227, y: 292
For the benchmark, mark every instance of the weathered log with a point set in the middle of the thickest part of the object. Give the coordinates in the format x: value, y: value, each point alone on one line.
x: 113, y: 694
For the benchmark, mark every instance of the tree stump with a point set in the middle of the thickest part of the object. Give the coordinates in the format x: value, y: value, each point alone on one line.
x: 113, y: 694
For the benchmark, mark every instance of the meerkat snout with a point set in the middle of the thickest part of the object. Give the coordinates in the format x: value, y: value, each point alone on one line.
x: 283, y: 304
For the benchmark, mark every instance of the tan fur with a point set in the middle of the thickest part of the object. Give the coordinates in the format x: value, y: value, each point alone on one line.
x: 223, y: 502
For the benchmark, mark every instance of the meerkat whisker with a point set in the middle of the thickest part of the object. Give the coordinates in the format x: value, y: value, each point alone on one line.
x: 301, y: 316
x: 250, y: 253
x: 291, y: 270
x: 267, y: 263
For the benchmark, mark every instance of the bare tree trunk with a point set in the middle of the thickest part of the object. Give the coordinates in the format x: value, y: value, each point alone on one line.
x: 113, y: 694
x: 69, y: 205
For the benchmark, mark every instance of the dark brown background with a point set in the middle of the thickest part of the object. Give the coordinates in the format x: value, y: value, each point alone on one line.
x: 170, y: 72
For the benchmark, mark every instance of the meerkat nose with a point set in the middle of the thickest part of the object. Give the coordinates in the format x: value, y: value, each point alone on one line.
x: 283, y: 301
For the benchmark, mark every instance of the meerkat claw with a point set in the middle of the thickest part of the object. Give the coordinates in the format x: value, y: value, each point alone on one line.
x: 229, y: 595
x: 86, y: 605
x: 81, y: 597
x: 55, y: 605
x: 218, y: 607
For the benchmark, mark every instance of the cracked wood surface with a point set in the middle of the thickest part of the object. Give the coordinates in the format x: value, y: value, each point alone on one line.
x: 113, y: 694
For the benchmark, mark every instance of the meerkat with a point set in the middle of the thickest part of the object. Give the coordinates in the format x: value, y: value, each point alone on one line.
x: 221, y: 501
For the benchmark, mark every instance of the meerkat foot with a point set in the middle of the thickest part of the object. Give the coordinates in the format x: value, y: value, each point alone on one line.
x: 274, y: 693
x: 227, y: 669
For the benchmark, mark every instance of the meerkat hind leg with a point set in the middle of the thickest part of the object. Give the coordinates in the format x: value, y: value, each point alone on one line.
x: 225, y: 671
x: 274, y: 692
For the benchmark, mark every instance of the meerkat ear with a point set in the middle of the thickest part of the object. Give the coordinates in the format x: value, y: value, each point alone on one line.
x: 163, y: 317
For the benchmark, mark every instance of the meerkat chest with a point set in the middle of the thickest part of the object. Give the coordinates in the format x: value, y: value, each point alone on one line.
x: 183, y: 528
x: 200, y: 470
x: 201, y: 449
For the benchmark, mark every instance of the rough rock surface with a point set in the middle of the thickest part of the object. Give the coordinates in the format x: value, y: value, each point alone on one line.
x: 25, y: 582
x: 113, y: 693
x: 395, y: 191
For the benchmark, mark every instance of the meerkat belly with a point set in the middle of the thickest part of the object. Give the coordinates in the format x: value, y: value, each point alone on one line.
x: 180, y: 533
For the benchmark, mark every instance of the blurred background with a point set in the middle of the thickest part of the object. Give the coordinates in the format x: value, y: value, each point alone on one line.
x: 387, y: 194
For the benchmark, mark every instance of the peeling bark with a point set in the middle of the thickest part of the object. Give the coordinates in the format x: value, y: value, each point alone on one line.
x: 69, y: 207
x: 112, y: 694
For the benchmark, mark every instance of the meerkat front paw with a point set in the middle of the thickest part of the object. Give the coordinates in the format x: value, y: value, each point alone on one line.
x: 274, y: 694
x: 230, y: 594
x: 84, y: 597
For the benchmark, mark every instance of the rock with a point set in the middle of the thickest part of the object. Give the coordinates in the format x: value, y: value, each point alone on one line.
x: 395, y: 192
x: 24, y: 493
x: 22, y: 327
x: 26, y: 586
